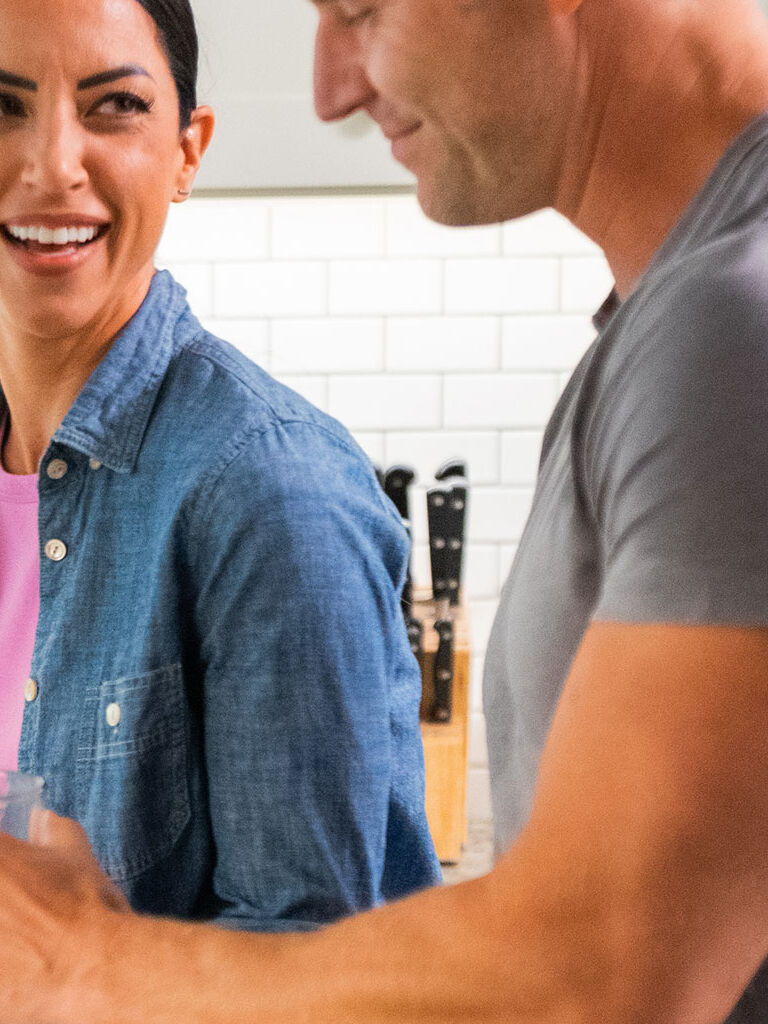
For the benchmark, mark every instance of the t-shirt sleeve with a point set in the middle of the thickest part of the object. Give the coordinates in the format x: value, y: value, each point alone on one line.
x: 674, y: 457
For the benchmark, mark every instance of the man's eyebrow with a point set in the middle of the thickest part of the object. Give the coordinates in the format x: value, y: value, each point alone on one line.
x: 103, y: 77
x: 17, y: 81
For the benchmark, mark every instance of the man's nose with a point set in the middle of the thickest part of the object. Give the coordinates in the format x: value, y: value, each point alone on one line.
x: 340, y: 84
x: 54, y: 159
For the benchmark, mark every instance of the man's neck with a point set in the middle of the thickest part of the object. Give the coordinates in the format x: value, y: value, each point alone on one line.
x: 662, y: 96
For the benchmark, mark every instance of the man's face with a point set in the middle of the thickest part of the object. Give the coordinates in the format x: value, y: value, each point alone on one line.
x: 471, y: 94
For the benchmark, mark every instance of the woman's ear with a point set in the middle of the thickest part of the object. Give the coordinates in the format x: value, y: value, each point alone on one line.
x: 194, y: 142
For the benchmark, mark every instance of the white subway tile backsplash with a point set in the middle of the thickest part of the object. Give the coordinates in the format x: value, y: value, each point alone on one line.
x: 476, y: 678
x: 520, y: 454
x: 197, y: 278
x: 337, y: 228
x: 545, y: 234
x: 481, y: 571
x: 327, y: 345
x: 372, y: 443
x: 381, y: 401
x: 478, y: 795
x: 442, y: 343
x: 586, y: 283
x: 499, y: 400
x: 409, y: 233
x: 507, y: 553
x: 501, y: 285
x: 385, y: 287
x: 554, y: 342
x: 426, y: 451
x: 499, y: 514
x: 481, y: 616
x: 478, y: 745
x: 250, y: 336
x: 216, y: 229
x: 270, y: 289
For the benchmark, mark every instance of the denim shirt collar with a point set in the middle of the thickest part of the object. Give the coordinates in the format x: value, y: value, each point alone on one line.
x: 108, y: 419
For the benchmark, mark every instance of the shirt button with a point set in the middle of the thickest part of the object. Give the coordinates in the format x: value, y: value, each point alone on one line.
x: 113, y: 714
x: 56, y: 550
x: 94, y: 464
x: 30, y: 691
x: 57, y: 468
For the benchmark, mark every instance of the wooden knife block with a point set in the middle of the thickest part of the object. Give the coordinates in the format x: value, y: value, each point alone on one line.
x: 445, y: 745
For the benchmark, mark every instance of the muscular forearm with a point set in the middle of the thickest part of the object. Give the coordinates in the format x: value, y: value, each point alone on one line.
x: 458, y: 955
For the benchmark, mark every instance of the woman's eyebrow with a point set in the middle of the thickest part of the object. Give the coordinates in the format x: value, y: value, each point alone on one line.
x: 102, y: 78
x: 17, y: 81
x: 126, y: 71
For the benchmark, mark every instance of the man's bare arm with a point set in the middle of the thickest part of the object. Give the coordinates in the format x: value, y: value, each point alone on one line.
x: 637, y: 893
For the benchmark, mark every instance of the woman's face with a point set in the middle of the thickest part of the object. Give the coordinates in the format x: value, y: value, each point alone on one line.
x: 91, y: 155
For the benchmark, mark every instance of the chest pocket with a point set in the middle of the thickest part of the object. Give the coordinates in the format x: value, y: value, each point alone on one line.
x: 133, y: 794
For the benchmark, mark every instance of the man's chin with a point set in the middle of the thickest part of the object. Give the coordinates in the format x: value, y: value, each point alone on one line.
x: 455, y: 206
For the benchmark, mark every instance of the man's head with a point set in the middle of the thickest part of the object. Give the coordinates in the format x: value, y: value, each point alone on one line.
x: 612, y: 111
x: 474, y: 94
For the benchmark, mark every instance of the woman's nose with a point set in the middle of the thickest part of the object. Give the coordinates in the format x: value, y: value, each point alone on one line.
x: 54, y: 158
x: 340, y: 84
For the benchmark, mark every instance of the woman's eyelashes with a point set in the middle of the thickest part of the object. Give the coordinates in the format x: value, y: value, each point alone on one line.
x: 11, y: 105
x: 122, y: 104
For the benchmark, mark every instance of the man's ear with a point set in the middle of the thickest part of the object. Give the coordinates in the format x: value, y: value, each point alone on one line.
x: 194, y: 142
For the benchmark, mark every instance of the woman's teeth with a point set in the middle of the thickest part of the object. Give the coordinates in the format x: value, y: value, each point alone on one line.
x: 54, y: 236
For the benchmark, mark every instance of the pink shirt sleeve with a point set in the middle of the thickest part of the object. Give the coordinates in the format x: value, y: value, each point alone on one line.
x: 19, y: 603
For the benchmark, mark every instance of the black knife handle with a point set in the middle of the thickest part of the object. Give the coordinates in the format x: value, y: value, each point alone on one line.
x: 438, y: 513
x: 397, y: 480
x: 415, y: 629
x: 442, y: 705
x: 452, y: 467
x: 456, y: 518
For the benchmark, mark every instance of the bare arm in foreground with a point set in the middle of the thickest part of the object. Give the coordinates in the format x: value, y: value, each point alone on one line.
x: 638, y: 892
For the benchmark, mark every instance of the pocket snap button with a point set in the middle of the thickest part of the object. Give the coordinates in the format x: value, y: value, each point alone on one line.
x: 30, y: 691
x: 113, y: 714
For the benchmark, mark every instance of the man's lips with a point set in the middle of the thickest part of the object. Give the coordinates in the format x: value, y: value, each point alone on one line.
x: 394, y: 134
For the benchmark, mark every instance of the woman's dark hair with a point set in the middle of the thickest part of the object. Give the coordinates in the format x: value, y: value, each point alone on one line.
x: 178, y: 36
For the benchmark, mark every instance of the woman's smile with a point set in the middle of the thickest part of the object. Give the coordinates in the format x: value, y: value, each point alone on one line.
x: 53, y: 244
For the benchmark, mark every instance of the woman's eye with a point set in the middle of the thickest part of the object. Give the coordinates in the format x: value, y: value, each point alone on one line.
x: 11, y: 106
x: 122, y: 104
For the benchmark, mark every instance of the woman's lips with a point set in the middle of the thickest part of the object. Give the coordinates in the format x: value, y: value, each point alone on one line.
x: 51, y: 257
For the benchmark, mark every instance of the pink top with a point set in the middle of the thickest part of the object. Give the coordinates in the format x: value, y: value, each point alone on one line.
x: 19, y: 603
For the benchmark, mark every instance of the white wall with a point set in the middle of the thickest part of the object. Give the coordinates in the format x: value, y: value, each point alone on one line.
x: 427, y: 342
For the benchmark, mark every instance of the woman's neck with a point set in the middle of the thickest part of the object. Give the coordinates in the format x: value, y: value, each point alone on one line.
x: 42, y: 372
x: 41, y: 378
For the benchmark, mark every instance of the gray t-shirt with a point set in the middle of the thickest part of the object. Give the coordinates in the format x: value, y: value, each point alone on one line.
x: 651, y: 503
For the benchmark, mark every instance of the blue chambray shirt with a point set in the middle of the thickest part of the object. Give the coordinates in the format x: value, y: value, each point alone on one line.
x: 226, y: 698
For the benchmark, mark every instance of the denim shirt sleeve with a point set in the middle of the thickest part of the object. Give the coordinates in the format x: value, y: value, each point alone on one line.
x: 310, y: 691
